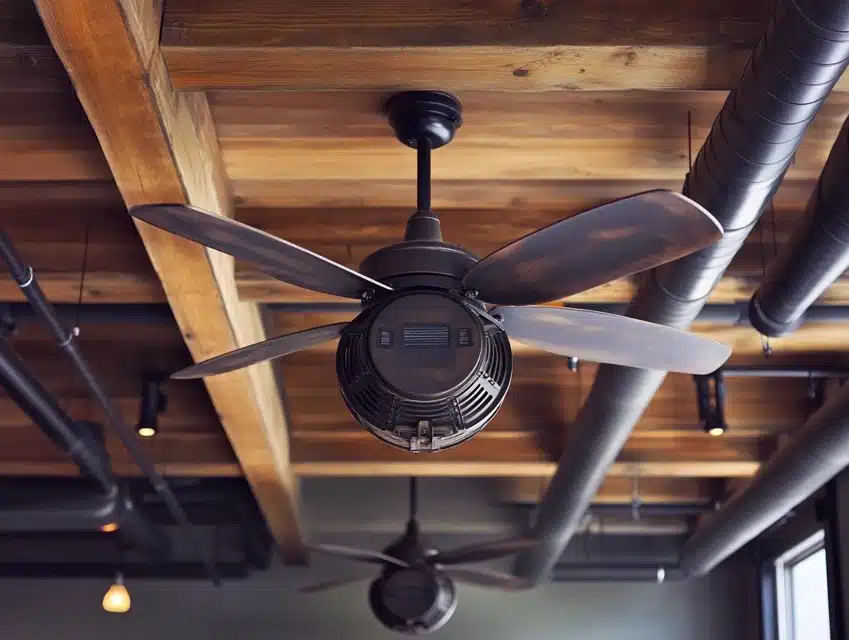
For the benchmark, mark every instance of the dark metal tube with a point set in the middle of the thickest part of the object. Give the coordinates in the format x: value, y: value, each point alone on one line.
x: 815, y: 454
x: 729, y: 314
x: 25, y: 277
x: 145, y: 314
x: 423, y: 174
x: 615, y: 573
x: 44, y: 411
x: 785, y: 372
x: 817, y: 254
x: 85, y: 512
x: 802, y: 54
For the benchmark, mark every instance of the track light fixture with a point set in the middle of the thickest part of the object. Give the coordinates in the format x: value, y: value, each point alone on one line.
x: 117, y: 598
x: 710, y: 394
x: 153, y: 403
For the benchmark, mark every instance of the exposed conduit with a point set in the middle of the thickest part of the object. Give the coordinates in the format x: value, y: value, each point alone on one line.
x: 802, y: 54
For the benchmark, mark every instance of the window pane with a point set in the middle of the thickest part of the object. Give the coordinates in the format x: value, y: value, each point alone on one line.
x: 809, y: 586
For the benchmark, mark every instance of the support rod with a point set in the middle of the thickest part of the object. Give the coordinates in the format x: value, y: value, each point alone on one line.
x: 423, y: 174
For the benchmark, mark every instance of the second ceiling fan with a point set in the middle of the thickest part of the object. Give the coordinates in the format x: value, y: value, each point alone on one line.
x: 427, y: 363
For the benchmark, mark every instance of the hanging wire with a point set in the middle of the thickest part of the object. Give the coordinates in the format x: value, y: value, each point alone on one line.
x: 75, y: 330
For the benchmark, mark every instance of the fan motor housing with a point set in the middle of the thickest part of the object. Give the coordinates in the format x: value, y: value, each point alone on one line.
x: 414, y: 601
x: 421, y: 370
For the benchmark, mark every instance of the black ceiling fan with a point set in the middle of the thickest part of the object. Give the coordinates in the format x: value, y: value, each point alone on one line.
x: 415, y: 592
x: 427, y: 362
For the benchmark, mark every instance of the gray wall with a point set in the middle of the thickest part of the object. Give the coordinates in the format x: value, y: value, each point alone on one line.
x: 720, y: 607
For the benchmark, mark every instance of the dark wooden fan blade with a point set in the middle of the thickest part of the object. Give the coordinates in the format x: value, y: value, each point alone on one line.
x: 360, y: 555
x: 318, y: 587
x: 484, y: 551
x: 606, y: 337
x: 276, y: 257
x: 265, y: 350
x: 491, y: 579
x: 594, y: 247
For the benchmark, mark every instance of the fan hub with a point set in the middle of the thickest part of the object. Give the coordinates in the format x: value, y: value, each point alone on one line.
x: 425, y: 344
x: 413, y: 601
x: 420, y: 263
x: 422, y: 371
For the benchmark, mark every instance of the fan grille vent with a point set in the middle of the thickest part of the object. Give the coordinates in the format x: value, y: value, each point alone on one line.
x: 417, y: 424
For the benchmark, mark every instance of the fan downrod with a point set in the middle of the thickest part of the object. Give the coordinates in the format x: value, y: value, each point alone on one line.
x: 434, y: 116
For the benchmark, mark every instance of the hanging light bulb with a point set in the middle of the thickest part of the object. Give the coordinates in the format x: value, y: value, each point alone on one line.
x: 117, y: 599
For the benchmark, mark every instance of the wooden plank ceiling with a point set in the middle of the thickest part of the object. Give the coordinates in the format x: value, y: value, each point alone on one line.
x: 566, y: 106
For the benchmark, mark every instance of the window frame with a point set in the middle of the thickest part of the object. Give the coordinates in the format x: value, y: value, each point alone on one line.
x: 782, y: 568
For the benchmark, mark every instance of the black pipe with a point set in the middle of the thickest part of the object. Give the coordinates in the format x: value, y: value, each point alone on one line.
x: 802, y: 54
x: 817, y: 254
x: 600, y: 572
x: 808, y: 373
x: 86, y: 512
x: 45, y: 412
x: 813, y: 456
x: 114, y: 505
x: 25, y: 277
x: 21, y: 312
x: 728, y: 314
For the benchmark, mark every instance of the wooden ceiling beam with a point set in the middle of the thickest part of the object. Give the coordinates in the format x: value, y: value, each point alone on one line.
x: 509, y: 45
x: 161, y: 147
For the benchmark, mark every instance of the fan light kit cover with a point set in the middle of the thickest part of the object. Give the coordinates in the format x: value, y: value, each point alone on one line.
x: 427, y: 363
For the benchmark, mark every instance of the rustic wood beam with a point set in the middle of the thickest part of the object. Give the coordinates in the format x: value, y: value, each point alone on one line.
x: 355, y: 453
x: 161, y: 147
x: 510, y: 45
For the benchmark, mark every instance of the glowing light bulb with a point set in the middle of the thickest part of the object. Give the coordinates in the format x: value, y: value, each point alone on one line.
x: 109, y: 527
x: 147, y: 432
x: 117, y: 599
x: 716, y: 431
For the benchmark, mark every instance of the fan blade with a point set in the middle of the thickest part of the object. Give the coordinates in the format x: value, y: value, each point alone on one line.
x: 594, y: 247
x: 484, y: 551
x: 611, y: 338
x: 491, y: 579
x: 318, y: 587
x: 360, y: 555
x: 265, y: 350
x: 276, y: 257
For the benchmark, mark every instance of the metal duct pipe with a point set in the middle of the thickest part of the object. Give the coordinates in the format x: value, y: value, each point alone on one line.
x: 802, y: 54
x: 25, y: 277
x: 815, y: 257
x: 814, y: 455
x: 615, y: 573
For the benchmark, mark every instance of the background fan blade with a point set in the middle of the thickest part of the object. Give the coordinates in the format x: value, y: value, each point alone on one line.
x: 594, y: 247
x: 484, y: 551
x: 318, y: 587
x: 265, y: 350
x: 491, y: 579
x: 276, y: 257
x: 606, y: 337
x: 360, y: 555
